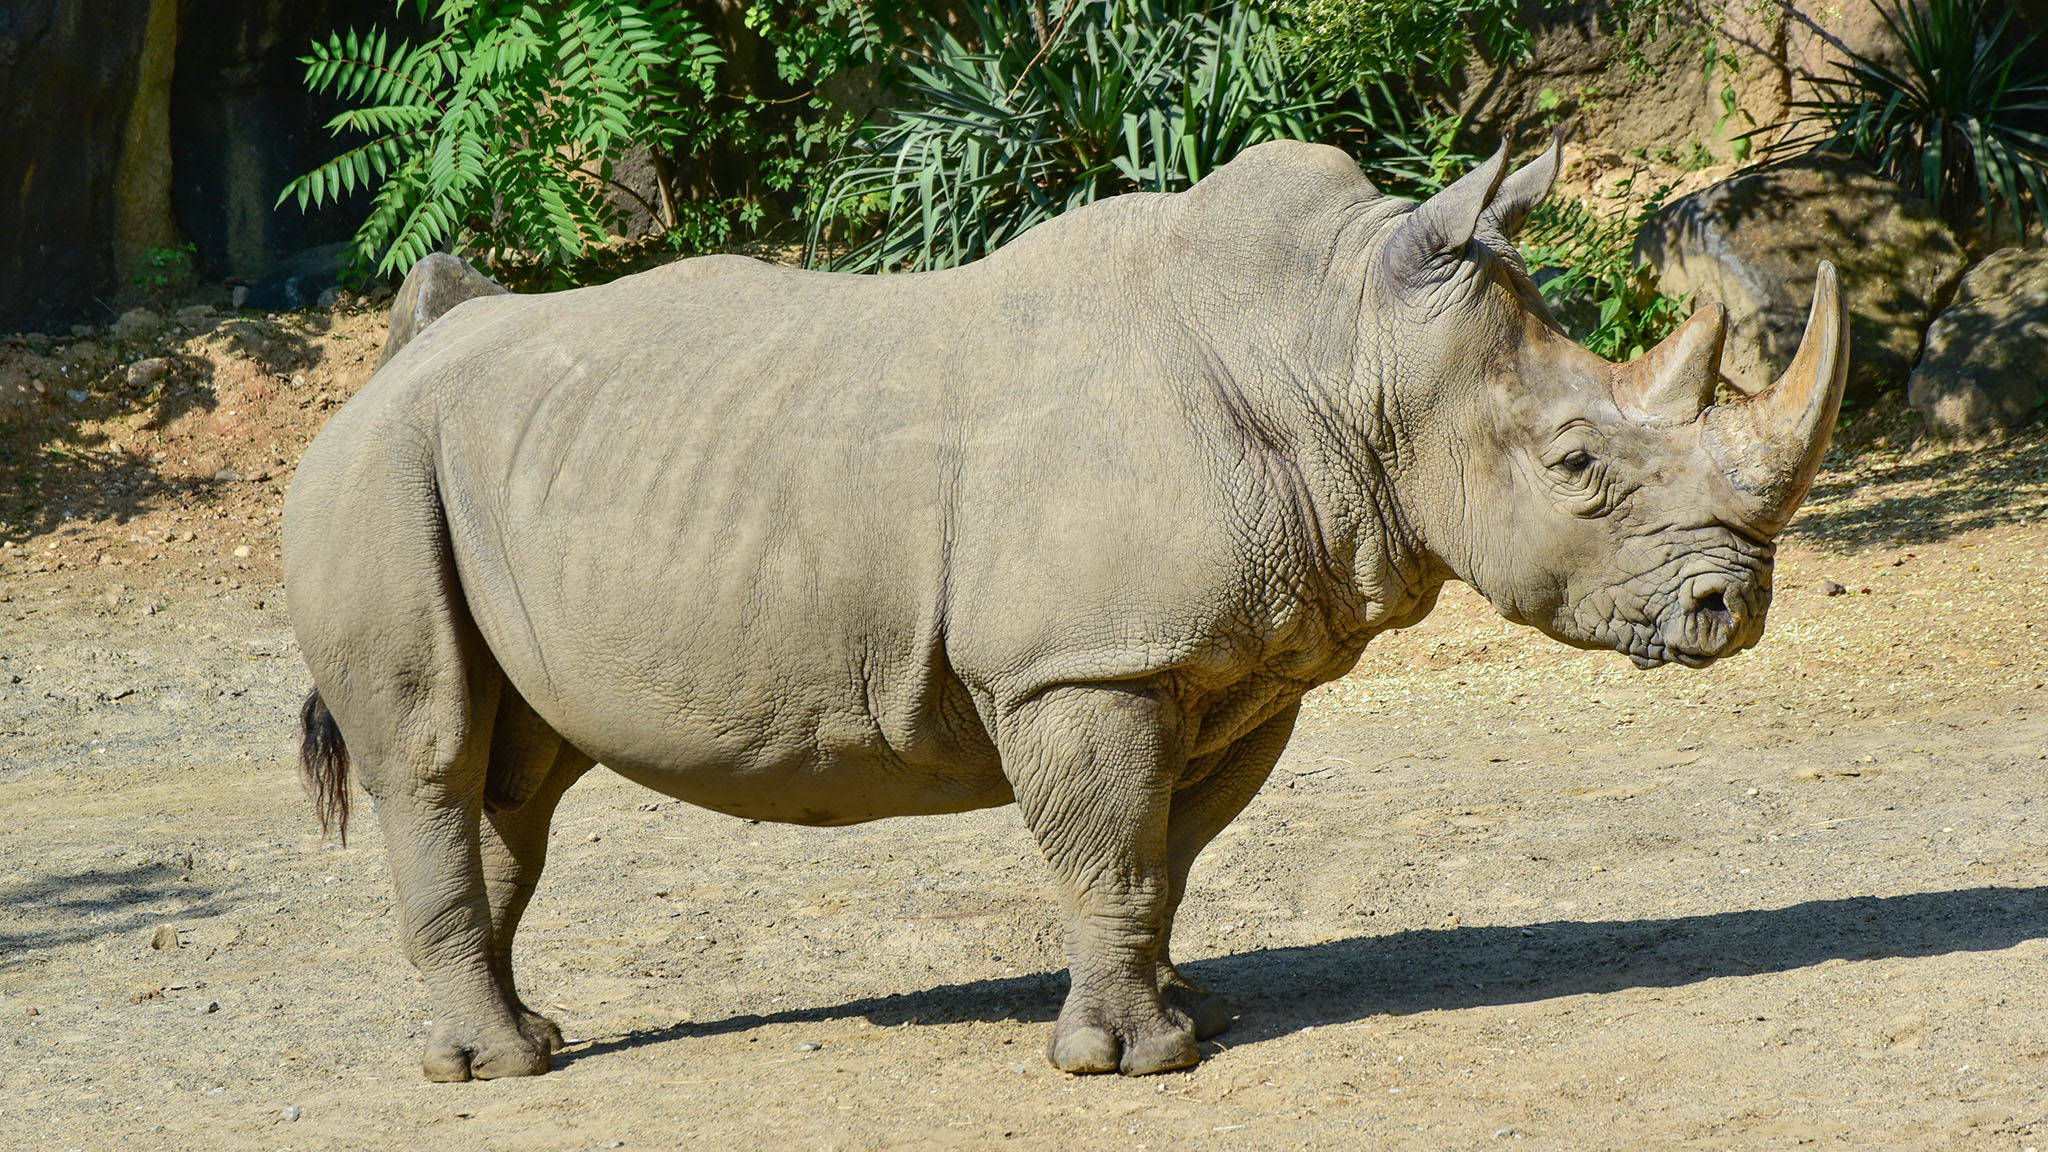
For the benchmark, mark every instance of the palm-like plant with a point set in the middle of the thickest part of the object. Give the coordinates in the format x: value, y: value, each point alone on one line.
x: 1055, y: 109
x: 1958, y: 121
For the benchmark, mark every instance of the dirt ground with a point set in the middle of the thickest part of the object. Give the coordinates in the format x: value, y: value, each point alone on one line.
x: 1498, y: 893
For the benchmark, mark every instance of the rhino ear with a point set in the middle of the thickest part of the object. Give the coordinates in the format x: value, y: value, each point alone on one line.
x: 1520, y: 193
x: 1431, y: 241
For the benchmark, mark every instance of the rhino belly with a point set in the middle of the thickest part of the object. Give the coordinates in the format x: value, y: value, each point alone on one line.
x: 740, y: 616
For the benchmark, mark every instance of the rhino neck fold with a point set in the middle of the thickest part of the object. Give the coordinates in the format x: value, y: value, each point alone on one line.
x: 1273, y: 303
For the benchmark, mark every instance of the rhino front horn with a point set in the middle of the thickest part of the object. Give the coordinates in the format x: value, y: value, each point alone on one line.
x: 1769, y: 446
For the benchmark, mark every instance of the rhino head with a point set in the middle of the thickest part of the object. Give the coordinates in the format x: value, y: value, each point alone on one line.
x: 1608, y: 505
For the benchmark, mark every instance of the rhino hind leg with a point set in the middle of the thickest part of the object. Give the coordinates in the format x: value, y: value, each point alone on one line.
x: 1200, y: 811
x: 414, y: 691
x: 530, y: 768
x: 1092, y: 772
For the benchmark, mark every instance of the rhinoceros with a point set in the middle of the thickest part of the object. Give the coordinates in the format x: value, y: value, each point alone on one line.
x: 1075, y: 526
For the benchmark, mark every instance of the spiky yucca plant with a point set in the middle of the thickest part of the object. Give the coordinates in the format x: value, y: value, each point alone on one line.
x: 501, y: 129
x: 1957, y: 121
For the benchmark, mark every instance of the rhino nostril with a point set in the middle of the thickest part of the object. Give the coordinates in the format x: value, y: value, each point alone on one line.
x: 1714, y: 606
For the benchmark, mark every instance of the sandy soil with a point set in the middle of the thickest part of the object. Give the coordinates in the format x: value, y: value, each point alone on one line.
x: 1498, y: 892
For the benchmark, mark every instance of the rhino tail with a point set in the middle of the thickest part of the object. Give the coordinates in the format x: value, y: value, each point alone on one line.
x: 323, y: 758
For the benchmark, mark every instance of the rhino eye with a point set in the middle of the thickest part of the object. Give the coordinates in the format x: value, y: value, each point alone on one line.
x: 1575, y: 462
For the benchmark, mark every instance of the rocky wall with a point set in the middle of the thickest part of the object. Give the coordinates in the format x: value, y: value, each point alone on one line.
x: 1667, y: 98
x: 131, y: 125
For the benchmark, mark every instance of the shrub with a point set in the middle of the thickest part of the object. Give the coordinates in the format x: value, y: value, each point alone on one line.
x: 1365, y: 41
x: 502, y: 128
x: 162, y: 273
x: 1581, y: 261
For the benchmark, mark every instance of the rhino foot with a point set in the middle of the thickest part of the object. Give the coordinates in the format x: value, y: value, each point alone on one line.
x: 540, y: 1031
x: 1089, y: 1048
x: 1205, y: 1013
x: 515, y: 1054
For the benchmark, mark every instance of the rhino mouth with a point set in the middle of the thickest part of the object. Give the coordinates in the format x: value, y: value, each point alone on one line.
x: 1658, y: 656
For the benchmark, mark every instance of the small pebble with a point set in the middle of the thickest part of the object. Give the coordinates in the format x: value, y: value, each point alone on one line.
x: 242, y: 552
x: 165, y: 937
x: 291, y: 1112
x: 212, y: 1006
x: 809, y: 1046
x: 1830, y: 588
x: 592, y: 838
x: 227, y: 476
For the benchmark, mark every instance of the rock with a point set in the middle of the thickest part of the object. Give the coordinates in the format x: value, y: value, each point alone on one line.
x: 226, y: 475
x: 241, y: 551
x: 1984, y: 374
x: 329, y: 297
x: 137, y: 323
x: 297, y: 281
x: 1830, y: 588
x: 809, y: 1046
x: 209, y: 1008
x: 165, y: 938
x: 195, y: 316
x: 134, y: 126
x: 436, y: 284
x: 291, y: 1113
x: 1753, y: 241
x: 144, y: 374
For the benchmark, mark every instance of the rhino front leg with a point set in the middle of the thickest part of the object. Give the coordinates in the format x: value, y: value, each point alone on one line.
x: 1093, y: 770
x: 1213, y: 797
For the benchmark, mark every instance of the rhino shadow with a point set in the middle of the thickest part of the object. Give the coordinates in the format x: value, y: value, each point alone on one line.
x: 1425, y: 970
x: 51, y: 911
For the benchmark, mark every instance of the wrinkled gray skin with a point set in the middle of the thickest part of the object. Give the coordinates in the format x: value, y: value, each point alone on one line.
x: 1075, y: 527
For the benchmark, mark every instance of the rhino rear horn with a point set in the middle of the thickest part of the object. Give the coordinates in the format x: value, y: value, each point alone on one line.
x: 1432, y: 239
x: 1521, y: 192
x: 1769, y: 445
x: 1674, y: 382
